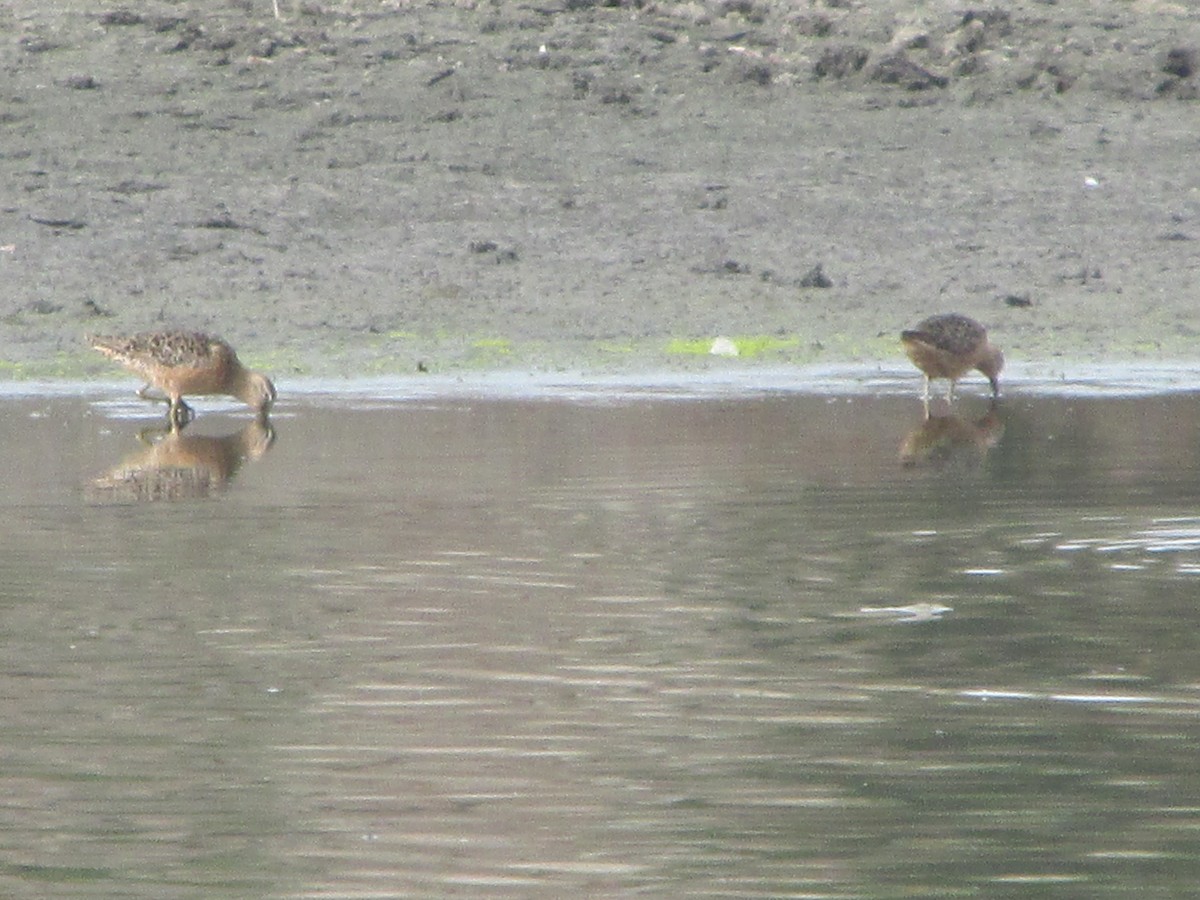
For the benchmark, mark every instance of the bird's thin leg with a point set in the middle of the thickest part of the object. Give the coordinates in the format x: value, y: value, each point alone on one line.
x: 925, y: 392
x: 180, y: 413
x: 950, y: 392
x: 144, y: 393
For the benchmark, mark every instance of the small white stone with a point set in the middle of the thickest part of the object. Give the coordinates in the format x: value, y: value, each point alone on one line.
x: 723, y: 346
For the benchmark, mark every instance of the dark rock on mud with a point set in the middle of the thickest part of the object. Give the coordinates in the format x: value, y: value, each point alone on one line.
x: 816, y: 278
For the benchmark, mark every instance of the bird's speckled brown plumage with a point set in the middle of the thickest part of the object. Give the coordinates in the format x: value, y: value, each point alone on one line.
x: 188, y: 362
x: 950, y: 345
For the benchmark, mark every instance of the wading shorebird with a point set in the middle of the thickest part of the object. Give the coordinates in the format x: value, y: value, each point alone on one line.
x: 950, y: 345
x: 187, y: 362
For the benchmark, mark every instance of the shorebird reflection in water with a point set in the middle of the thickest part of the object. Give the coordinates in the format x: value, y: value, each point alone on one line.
x: 187, y: 362
x: 177, y: 466
x: 942, y: 442
x: 950, y: 345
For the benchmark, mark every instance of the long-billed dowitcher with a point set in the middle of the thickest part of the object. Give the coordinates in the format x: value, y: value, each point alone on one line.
x: 950, y: 345
x: 187, y: 362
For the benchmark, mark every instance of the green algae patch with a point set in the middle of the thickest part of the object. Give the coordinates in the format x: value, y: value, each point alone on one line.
x: 860, y: 347
x: 682, y: 347
x: 277, y: 362
x: 59, y: 366
x: 747, y: 346
x: 760, y: 345
x: 614, y: 348
x: 14, y: 371
x: 494, y: 345
x: 487, y: 350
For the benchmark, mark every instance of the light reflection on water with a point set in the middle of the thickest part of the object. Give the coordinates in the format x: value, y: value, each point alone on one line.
x: 731, y: 647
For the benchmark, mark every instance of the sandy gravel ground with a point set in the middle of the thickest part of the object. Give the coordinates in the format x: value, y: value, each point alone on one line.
x: 363, y: 187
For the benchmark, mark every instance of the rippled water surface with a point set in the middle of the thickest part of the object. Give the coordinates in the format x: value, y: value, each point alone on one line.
x: 601, y: 643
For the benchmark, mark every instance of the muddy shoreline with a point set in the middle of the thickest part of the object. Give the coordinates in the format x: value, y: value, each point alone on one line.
x: 365, y: 188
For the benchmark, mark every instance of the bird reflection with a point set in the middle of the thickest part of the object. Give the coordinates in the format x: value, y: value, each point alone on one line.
x: 173, y: 465
x: 949, y: 441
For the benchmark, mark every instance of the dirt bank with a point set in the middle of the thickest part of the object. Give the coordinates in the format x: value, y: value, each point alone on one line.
x: 364, y: 186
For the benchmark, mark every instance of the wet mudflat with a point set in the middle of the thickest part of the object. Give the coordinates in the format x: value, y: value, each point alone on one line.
x: 602, y: 643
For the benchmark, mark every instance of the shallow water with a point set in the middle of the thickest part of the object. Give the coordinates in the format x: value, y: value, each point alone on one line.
x: 602, y: 641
